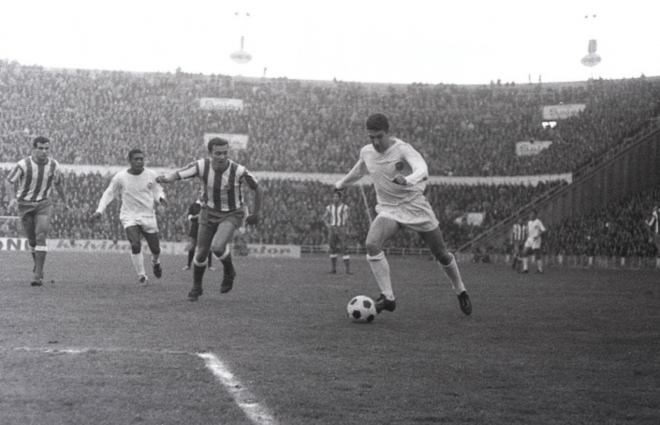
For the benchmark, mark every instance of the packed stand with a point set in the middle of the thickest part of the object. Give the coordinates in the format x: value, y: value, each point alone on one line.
x: 95, y: 117
x: 618, y: 230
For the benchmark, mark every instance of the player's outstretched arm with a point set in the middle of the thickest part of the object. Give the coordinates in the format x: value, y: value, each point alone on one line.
x: 168, y: 177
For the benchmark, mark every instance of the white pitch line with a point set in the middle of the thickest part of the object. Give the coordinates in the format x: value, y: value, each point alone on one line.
x: 257, y: 413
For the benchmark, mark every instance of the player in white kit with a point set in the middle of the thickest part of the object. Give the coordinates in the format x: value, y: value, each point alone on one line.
x: 140, y: 196
x: 399, y: 174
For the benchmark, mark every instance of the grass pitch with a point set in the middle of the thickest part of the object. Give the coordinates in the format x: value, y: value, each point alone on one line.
x: 570, y: 346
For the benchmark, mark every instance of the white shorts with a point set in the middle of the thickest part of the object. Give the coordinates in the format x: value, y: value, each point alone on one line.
x: 416, y: 215
x: 533, y: 243
x: 149, y: 224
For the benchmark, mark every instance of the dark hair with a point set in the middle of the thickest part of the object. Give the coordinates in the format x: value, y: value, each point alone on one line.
x: 40, y: 139
x: 216, y: 141
x: 378, y: 122
x: 133, y: 152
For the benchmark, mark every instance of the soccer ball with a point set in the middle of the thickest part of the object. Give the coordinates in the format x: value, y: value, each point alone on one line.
x: 361, y: 309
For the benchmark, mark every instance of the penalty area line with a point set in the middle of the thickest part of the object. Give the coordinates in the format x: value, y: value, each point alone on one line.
x: 257, y: 413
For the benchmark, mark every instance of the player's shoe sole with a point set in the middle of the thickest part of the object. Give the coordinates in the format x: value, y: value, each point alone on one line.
x: 158, y: 270
x: 227, y: 283
x: 383, y: 303
x: 36, y: 283
x: 464, y: 302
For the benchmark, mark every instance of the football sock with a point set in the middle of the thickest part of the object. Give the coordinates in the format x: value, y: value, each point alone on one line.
x: 198, y: 274
x: 191, y: 255
x: 381, y: 270
x: 333, y: 260
x: 347, y: 263
x: 39, y: 261
x: 155, y: 258
x: 227, y: 264
x: 525, y: 263
x: 454, y: 275
x: 539, y: 266
x: 138, y: 262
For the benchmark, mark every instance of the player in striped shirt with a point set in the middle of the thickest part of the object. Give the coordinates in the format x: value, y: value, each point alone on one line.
x: 36, y: 176
x: 399, y: 174
x: 223, y: 209
x: 336, y: 220
x: 140, y: 197
x: 518, y: 237
x: 654, y: 225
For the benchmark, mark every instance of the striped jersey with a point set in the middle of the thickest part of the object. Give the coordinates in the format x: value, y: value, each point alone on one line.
x: 35, y: 180
x: 518, y: 232
x: 222, y: 191
x: 654, y: 222
x: 337, y: 215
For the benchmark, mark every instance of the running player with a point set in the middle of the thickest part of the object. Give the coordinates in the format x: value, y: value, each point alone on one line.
x: 140, y: 197
x: 223, y: 209
x: 399, y: 174
x: 36, y: 176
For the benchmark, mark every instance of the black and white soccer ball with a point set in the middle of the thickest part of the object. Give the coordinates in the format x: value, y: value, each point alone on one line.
x: 361, y: 309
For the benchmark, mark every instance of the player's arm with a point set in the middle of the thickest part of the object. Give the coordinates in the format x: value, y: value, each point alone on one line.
x: 358, y: 171
x: 10, y: 186
x: 420, y: 170
x: 190, y: 170
x: 253, y: 218
x: 61, y: 191
x: 159, y: 195
x: 108, y: 196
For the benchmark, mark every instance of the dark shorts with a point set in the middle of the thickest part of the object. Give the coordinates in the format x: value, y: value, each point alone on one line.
x: 41, y: 208
x: 210, y: 219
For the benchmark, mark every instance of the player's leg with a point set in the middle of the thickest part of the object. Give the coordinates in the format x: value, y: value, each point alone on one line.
x: 153, y: 241
x: 380, y: 231
x: 525, y: 258
x: 205, y: 234
x: 436, y: 243
x: 539, y: 260
x: 220, y: 249
x: 133, y: 235
x: 332, y: 242
x: 192, y: 243
x: 28, y: 222
x: 656, y: 238
x: 342, y: 250
x: 41, y: 229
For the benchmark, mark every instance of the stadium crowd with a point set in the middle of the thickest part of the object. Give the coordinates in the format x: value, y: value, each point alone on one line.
x: 95, y: 117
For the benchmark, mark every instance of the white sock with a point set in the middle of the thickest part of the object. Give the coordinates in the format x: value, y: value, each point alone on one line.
x: 381, y: 270
x: 525, y: 263
x: 138, y: 262
x: 454, y: 275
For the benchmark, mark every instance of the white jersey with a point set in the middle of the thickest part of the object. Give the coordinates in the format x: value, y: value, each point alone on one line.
x: 399, y: 158
x: 534, y: 230
x: 140, y: 194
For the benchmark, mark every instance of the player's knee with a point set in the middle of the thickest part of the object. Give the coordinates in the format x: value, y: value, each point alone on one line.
x: 136, y: 247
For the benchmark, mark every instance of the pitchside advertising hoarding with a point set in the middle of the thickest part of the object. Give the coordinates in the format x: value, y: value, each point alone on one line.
x: 532, y: 147
x: 176, y: 248
x: 562, y: 112
x: 220, y: 103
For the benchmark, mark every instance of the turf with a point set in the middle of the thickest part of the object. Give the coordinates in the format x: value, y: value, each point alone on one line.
x: 91, y: 346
